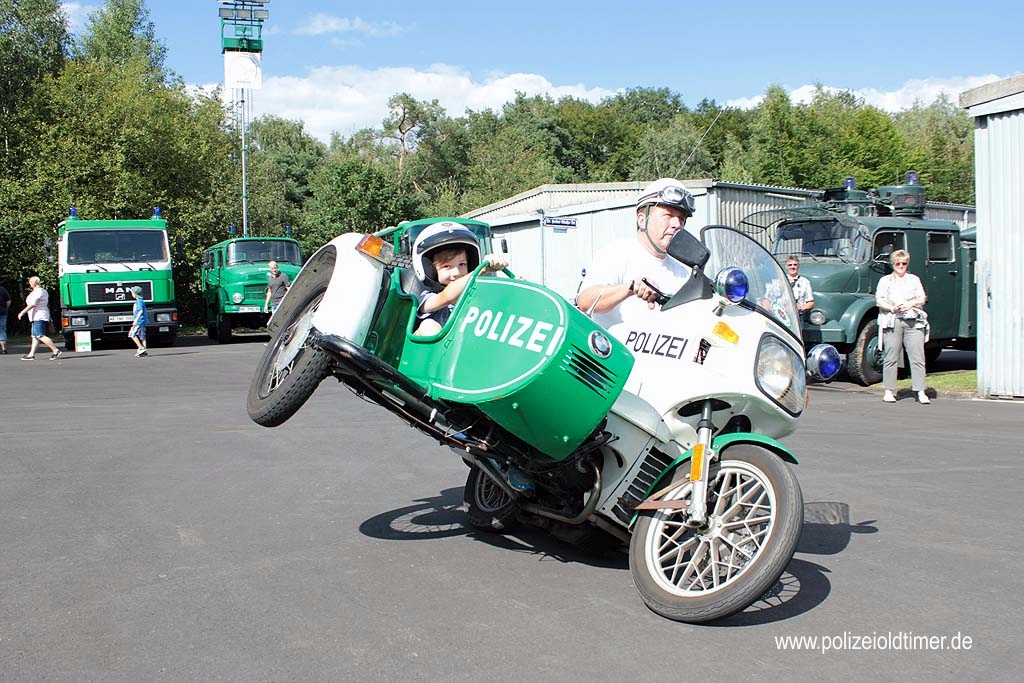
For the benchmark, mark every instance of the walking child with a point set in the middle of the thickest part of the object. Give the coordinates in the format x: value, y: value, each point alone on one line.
x: 138, y: 332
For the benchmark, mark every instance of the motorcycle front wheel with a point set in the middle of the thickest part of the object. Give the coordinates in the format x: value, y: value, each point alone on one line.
x: 755, y: 513
x: 290, y: 369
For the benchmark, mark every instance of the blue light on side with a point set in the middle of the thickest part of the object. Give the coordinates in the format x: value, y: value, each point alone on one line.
x: 732, y: 284
x: 156, y: 212
x: 824, y: 362
x: 231, y: 230
x: 288, y: 230
x: 849, y: 183
x: 73, y: 212
x: 911, y: 178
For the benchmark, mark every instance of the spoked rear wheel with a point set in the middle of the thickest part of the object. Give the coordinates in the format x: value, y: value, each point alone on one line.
x: 290, y: 369
x: 488, y: 507
x: 755, y: 512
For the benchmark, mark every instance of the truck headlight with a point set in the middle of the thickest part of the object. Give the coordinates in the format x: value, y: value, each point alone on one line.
x: 780, y: 375
x: 237, y: 297
x: 163, y: 317
x: 817, y: 317
x: 76, y: 321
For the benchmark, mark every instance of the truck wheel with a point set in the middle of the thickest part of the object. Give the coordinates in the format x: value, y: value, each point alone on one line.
x: 864, y: 362
x: 211, y: 330
x: 931, y: 353
x: 224, y: 331
x: 69, y: 342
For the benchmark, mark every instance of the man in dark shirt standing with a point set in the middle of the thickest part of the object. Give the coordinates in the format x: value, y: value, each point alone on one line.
x: 5, y: 303
x: 277, y: 286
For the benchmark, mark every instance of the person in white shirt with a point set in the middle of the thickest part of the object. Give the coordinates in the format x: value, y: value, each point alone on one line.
x: 37, y: 307
x: 613, y: 287
x: 902, y: 323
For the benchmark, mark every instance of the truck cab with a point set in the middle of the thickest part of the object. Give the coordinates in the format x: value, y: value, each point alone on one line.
x: 99, y: 261
x: 234, y: 279
x: 844, y: 241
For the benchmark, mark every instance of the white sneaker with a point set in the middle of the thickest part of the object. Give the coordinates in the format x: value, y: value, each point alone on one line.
x: 888, y: 397
x: 922, y: 397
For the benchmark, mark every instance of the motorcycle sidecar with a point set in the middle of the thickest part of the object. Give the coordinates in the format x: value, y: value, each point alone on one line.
x: 527, y: 358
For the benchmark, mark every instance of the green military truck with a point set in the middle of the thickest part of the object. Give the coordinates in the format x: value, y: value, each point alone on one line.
x: 844, y: 241
x: 234, y: 276
x: 99, y: 261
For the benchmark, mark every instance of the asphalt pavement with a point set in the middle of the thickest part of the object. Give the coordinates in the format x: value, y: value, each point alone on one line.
x: 150, y: 531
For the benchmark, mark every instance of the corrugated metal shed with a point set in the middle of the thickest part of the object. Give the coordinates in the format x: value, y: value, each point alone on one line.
x: 998, y: 111
x: 553, y: 231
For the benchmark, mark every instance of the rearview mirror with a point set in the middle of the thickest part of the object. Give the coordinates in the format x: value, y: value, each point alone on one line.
x: 179, y: 247
x: 48, y: 248
x: 688, y: 250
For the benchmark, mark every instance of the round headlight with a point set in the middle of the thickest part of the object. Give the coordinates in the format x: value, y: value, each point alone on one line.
x: 732, y: 284
x: 817, y: 317
x: 823, y: 362
x: 237, y: 297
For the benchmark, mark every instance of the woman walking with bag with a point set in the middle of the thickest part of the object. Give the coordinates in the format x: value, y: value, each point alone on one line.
x: 37, y: 306
x: 903, y: 324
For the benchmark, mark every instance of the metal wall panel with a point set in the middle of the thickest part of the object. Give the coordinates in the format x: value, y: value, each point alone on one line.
x: 999, y: 175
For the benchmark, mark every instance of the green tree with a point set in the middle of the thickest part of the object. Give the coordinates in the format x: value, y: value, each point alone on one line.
x: 352, y: 195
x: 282, y: 158
x: 119, y: 33
x: 674, y: 151
x: 940, y: 146
x: 33, y: 44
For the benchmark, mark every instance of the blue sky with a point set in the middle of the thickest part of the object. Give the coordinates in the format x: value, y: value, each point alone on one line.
x: 333, y: 65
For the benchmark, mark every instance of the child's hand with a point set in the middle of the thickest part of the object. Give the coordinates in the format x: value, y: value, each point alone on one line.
x: 495, y: 263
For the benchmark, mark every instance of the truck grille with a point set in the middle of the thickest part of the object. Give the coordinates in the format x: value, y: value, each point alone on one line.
x: 652, y: 466
x: 117, y: 292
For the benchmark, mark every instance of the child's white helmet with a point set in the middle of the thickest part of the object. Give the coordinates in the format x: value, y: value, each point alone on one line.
x: 443, y: 235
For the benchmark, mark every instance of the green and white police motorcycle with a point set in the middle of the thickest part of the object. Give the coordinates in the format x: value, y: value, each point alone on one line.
x: 661, y: 434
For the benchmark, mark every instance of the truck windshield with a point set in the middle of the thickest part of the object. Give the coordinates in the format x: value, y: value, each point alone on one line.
x: 117, y: 246
x: 261, y: 251
x: 821, y: 239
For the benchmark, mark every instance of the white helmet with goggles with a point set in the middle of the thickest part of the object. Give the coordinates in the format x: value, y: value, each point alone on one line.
x: 443, y: 235
x: 668, y: 192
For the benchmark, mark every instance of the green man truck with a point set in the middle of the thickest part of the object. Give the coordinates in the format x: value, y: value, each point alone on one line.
x: 235, y: 281
x: 99, y: 261
x: 844, y: 242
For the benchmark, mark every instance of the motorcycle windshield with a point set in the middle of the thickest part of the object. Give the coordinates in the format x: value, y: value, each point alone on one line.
x: 769, y: 291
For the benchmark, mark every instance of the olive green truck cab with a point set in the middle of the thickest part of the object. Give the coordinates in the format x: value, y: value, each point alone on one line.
x: 844, y: 242
x: 234, y: 279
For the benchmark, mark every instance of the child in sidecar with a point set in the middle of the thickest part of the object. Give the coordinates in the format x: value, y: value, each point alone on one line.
x: 442, y: 255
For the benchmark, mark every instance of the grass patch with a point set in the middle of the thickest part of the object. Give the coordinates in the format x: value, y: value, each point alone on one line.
x: 958, y: 380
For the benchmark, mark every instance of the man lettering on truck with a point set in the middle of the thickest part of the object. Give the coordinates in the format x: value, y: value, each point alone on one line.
x: 277, y: 286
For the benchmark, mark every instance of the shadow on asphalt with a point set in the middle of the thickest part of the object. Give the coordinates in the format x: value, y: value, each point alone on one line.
x: 804, y: 585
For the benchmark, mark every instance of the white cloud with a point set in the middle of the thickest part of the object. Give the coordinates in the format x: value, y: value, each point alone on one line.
x: 77, y: 14
x: 348, y: 98
x: 924, y: 91
x: 325, y: 24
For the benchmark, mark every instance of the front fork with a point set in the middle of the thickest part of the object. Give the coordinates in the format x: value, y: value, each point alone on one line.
x: 703, y: 456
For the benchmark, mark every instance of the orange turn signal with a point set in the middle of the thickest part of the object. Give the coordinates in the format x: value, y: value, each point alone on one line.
x: 725, y: 332
x: 376, y: 248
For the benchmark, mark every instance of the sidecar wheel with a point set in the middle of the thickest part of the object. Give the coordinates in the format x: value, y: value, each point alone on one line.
x: 290, y: 369
x: 755, y: 513
x: 487, y: 506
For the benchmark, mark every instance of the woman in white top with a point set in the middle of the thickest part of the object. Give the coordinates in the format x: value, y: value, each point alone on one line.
x: 903, y: 324
x: 37, y: 306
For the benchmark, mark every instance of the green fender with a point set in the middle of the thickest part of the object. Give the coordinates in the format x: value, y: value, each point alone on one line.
x: 720, y: 444
x: 855, y: 315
